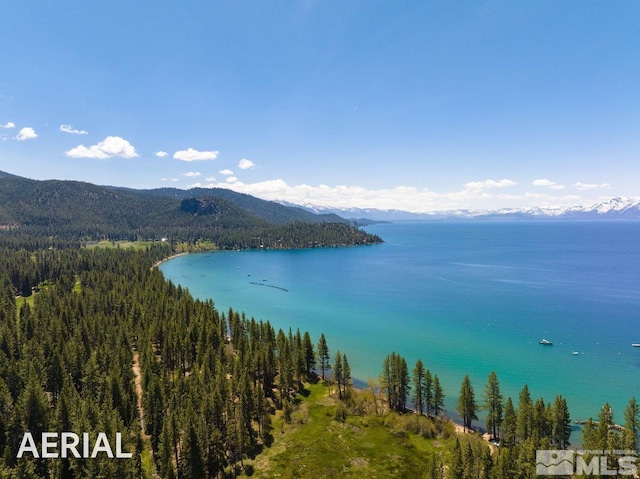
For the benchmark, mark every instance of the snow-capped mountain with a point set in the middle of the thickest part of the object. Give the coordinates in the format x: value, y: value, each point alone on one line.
x: 614, y: 208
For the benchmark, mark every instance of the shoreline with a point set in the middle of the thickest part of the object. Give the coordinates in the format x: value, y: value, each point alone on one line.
x: 158, y: 263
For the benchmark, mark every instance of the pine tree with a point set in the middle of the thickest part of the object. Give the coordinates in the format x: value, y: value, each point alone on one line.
x: 493, y: 404
x: 395, y: 381
x: 419, y: 387
x: 191, y: 464
x: 309, y: 353
x: 469, y: 463
x: 402, y: 379
x: 346, y: 376
x: 486, y: 463
x: 632, y: 425
x: 386, y: 380
x: 337, y: 372
x: 456, y: 468
x: 467, y: 406
x: 323, y: 354
x: 509, y: 425
x: 561, y: 423
x: 428, y: 392
x: 525, y: 414
x: 438, y: 396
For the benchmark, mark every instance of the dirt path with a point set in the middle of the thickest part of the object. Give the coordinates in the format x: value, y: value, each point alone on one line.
x: 138, y: 382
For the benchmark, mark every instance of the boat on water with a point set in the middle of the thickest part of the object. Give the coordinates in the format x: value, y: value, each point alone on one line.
x: 636, y: 345
x: 546, y: 342
x: 575, y: 353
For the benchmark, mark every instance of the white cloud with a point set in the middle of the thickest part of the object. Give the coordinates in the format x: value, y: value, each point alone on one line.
x: 245, y: 164
x: 8, y: 125
x: 192, y: 174
x: 489, y: 194
x: 110, y: 147
x: 226, y: 172
x: 547, y: 183
x: 488, y: 184
x: 161, y: 154
x: 543, y: 182
x: 26, y: 133
x: 584, y: 186
x: 210, y: 179
x: 72, y: 130
x: 590, y: 186
x: 194, y: 155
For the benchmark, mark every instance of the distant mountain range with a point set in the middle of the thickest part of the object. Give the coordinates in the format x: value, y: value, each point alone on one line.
x: 613, y: 209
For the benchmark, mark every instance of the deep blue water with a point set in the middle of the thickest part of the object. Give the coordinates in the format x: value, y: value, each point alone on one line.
x: 465, y: 297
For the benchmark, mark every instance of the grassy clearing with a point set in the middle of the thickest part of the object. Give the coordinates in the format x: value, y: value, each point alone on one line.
x: 21, y: 301
x: 120, y: 244
x: 315, y: 444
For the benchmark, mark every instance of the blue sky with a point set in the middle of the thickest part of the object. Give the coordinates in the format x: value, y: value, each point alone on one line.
x: 420, y: 106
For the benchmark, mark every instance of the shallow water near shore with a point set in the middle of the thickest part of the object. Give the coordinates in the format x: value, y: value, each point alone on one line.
x: 465, y: 297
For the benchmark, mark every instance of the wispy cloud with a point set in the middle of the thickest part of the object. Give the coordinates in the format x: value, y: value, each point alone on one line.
x: 26, y: 133
x: 210, y: 179
x: 590, y: 186
x: 231, y: 179
x: 110, y: 147
x: 226, y: 172
x: 161, y: 154
x: 194, y: 155
x: 8, y: 125
x: 245, y: 164
x: 72, y: 130
x: 192, y: 174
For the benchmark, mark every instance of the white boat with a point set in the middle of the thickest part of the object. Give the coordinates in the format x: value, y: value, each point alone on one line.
x: 636, y: 345
x: 575, y: 353
x: 546, y: 342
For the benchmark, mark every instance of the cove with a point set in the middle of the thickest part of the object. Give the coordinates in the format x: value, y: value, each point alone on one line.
x: 465, y: 297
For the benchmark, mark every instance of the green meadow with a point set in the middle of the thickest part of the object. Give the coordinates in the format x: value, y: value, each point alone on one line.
x: 329, y: 438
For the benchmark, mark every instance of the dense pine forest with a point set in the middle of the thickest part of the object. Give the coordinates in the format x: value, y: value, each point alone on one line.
x: 63, y: 212
x: 104, y: 323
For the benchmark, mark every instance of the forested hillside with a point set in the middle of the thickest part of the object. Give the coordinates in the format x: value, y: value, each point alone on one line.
x: 207, y: 384
x: 76, y: 211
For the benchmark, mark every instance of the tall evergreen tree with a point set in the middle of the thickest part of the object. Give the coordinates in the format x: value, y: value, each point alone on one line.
x: 467, y: 406
x: 346, y: 376
x: 323, y: 354
x: 493, y: 404
x: 394, y: 380
x: 438, y: 396
x: 525, y: 414
x: 309, y: 353
x: 418, y: 397
x: 632, y: 425
x: 456, y: 468
x: 509, y: 424
x: 337, y: 372
x: 561, y: 423
x: 428, y: 392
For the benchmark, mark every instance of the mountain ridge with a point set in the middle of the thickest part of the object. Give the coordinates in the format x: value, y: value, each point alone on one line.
x: 613, y: 208
x: 79, y: 211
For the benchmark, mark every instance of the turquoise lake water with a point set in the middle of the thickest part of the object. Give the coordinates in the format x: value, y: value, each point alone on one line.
x: 465, y: 297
